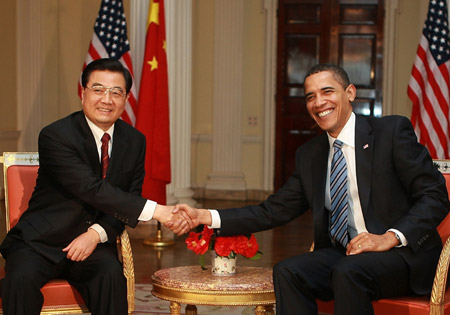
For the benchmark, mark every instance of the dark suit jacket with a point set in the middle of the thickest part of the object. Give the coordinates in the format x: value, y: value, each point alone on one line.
x: 398, y: 185
x: 70, y: 195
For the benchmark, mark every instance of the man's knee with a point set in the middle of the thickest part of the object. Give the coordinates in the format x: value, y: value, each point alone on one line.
x: 113, y: 271
x: 348, y: 271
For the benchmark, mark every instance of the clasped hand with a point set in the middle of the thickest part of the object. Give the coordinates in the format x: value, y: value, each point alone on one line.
x: 181, y: 218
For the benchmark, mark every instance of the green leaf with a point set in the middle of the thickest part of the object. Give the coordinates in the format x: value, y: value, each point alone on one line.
x: 201, y: 261
x: 257, y: 256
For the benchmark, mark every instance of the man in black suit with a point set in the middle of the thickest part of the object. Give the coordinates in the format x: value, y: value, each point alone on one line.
x: 393, y: 200
x: 76, y: 211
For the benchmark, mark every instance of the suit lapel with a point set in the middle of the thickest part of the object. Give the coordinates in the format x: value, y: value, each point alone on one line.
x: 364, y: 145
x: 119, y: 151
x: 320, y: 166
x: 89, y: 144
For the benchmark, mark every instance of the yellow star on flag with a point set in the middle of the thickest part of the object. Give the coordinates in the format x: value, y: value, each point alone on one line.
x: 153, y: 64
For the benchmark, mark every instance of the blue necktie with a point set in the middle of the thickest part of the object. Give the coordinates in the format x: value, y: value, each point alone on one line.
x: 339, y: 196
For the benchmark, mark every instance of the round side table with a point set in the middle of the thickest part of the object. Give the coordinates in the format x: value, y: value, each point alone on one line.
x: 193, y: 286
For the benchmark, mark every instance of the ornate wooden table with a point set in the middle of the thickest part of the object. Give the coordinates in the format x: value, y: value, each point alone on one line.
x: 193, y: 286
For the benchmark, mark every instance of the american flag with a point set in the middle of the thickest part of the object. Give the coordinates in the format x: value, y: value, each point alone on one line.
x: 429, y: 84
x: 110, y: 41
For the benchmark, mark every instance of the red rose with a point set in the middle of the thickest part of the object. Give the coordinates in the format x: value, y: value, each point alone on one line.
x: 247, y: 247
x: 207, y: 233
x: 224, y: 246
x: 197, y: 244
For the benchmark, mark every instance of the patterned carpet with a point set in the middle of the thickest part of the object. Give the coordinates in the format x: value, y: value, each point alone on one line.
x: 146, y: 303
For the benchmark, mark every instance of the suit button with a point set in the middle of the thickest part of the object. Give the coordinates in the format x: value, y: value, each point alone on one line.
x: 89, y: 222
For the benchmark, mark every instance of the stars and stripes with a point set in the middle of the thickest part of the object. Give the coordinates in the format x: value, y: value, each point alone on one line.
x: 110, y: 40
x: 429, y: 84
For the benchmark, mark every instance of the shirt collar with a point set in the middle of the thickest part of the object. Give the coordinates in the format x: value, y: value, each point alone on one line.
x: 347, y: 134
x: 98, y: 132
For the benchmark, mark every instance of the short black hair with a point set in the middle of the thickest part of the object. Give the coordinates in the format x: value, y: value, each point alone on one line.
x: 107, y: 64
x: 338, y: 72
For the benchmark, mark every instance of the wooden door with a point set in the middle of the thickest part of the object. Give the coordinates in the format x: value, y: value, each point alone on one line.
x: 344, y: 32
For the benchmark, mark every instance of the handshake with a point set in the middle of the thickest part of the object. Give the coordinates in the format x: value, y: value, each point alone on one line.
x: 181, y: 218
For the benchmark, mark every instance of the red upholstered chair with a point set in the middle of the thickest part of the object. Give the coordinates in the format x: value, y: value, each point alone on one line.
x: 20, y: 172
x: 439, y: 301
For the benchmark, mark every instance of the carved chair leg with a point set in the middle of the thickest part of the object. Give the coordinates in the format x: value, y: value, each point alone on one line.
x: 191, y: 310
x: 175, y: 308
x: 264, y: 310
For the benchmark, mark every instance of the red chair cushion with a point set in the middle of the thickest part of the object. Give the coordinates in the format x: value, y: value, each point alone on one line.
x: 21, y: 182
x: 58, y: 294
x: 398, y: 306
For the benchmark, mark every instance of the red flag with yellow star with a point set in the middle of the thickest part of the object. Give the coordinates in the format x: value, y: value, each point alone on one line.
x: 152, y: 117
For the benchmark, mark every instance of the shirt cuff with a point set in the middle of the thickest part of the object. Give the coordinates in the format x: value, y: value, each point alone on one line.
x: 101, y: 232
x: 148, y: 211
x: 403, y: 240
x: 215, y: 219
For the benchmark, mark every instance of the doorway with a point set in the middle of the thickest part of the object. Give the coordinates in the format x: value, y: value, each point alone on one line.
x: 345, y: 32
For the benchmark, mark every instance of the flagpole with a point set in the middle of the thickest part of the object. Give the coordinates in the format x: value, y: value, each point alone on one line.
x: 159, y: 240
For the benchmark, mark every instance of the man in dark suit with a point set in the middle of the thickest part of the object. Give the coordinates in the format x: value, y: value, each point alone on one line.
x: 377, y: 238
x: 81, y: 203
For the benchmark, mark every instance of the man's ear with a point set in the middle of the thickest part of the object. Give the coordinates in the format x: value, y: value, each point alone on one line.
x: 82, y: 94
x: 351, y: 92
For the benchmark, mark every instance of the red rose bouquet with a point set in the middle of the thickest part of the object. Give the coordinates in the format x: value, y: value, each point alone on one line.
x: 225, y: 246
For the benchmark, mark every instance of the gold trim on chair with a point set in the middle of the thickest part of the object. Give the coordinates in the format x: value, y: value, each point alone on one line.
x: 440, y: 278
x: 128, y: 269
x: 440, y: 282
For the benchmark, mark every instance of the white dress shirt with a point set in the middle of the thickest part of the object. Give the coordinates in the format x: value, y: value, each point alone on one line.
x: 149, y: 207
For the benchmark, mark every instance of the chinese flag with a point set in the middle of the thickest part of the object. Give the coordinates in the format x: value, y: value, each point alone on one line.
x: 152, y: 117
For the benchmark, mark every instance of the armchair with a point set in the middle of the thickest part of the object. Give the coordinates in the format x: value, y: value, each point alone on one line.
x: 20, y: 172
x: 439, y: 301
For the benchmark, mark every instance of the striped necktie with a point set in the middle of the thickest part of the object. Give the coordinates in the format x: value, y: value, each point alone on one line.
x: 339, y: 196
x: 105, y: 156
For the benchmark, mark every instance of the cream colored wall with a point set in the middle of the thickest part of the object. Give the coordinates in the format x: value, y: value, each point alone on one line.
x: 8, y: 79
x: 410, y: 21
x: 202, y: 90
x: 253, y: 92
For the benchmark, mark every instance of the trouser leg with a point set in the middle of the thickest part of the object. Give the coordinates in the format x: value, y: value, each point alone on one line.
x: 101, y: 282
x: 26, y: 273
x: 299, y: 280
x: 358, y: 280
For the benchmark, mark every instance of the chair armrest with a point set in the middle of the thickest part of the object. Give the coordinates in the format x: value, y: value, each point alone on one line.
x: 440, y: 281
x: 128, y: 268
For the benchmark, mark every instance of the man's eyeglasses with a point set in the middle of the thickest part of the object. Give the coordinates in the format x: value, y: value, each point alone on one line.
x: 100, y: 90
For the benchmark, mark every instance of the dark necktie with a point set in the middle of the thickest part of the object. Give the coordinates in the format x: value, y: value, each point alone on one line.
x: 339, y: 196
x: 105, y: 155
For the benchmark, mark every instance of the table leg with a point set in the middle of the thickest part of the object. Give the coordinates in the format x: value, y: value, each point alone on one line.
x: 175, y: 308
x: 191, y: 310
x: 264, y: 310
